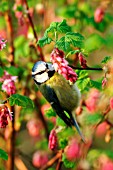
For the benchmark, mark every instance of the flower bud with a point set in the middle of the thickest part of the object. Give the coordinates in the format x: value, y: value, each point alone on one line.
x: 72, y: 151
x: 4, y: 114
x: 39, y: 159
x: 99, y: 15
x: 111, y: 103
x: 52, y: 140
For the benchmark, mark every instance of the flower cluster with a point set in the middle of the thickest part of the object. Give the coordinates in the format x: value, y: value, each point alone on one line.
x: 4, y: 114
x: 61, y: 65
x: 2, y: 43
x: 52, y: 140
x: 8, y: 83
x: 99, y: 15
x: 91, y: 102
x: 72, y: 151
x: 82, y: 60
x: 34, y: 127
x: 39, y: 159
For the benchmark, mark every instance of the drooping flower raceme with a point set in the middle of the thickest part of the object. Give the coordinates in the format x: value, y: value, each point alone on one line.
x: 52, y: 140
x: 61, y: 65
x: 82, y: 60
x: 4, y: 114
x: 2, y: 43
x: 8, y: 83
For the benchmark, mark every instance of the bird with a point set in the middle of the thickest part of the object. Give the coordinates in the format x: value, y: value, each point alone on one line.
x: 63, y: 96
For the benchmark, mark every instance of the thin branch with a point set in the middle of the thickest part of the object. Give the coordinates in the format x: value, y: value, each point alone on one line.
x: 34, y: 32
x: 52, y: 161
x: 87, y: 68
x: 59, y: 164
x: 11, y: 60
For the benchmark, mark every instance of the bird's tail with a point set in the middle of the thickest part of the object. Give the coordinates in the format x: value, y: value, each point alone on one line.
x: 78, y: 129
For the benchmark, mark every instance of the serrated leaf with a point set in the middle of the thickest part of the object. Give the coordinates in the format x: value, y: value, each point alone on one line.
x: 63, y: 143
x: 50, y: 113
x: 92, y: 119
x: 82, y: 74
x: 14, y: 71
x: 72, y: 52
x: 69, y: 39
x: 63, y: 27
x: 106, y: 59
x: 94, y: 42
x: 96, y: 84
x: 60, y: 27
x: 60, y: 122
x: 67, y: 163
x: 83, y: 83
x: 1, y: 72
x: 3, y: 154
x: 44, y: 40
x: 17, y: 99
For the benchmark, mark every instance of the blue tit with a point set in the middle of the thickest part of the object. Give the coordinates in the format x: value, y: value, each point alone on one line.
x: 58, y: 92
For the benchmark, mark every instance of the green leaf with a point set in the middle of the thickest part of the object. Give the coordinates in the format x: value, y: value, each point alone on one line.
x: 17, y: 99
x: 63, y: 27
x: 93, y: 155
x: 60, y: 122
x: 3, y: 154
x: 63, y: 143
x: 72, y: 52
x: 14, y: 71
x: 109, y: 153
x: 83, y: 83
x: 74, y: 39
x: 92, y: 119
x: 1, y: 72
x: 94, y: 42
x: 50, y: 113
x: 96, y: 84
x: 82, y: 74
x: 44, y: 40
x: 106, y: 59
x: 67, y: 163
x: 60, y: 27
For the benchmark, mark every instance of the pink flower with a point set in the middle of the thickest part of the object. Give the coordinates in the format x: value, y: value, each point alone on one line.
x: 104, y: 82
x: 53, y: 140
x: 102, y: 129
x: 61, y: 65
x: 4, y: 114
x: 107, y: 165
x: 91, y: 102
x: 72, y: 151
x: 34, y: 127
x: 99, y: 15
x: 39, y: 159
x: 2, y: 43
x: 111, y: 103
x: 8, y: 83
x: 82, y: 60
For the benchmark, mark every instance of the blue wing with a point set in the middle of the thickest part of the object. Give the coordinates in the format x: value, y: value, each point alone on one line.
x: 52, y: 98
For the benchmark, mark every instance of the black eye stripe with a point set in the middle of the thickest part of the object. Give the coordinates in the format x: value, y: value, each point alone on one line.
x: 39, y: 73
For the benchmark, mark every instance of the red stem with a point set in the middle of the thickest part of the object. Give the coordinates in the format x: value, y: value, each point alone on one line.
x: 39, y: 49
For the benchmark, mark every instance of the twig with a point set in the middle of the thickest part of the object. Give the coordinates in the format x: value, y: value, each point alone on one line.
x: 34, y: 32
x: 52, y: 161
x: 10, y: 37
x: 11, y: 60
x: 59, y: 164
x: 87, y: 68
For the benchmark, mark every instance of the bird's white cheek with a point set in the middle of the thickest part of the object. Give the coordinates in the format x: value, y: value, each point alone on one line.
x: 42, y: 78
